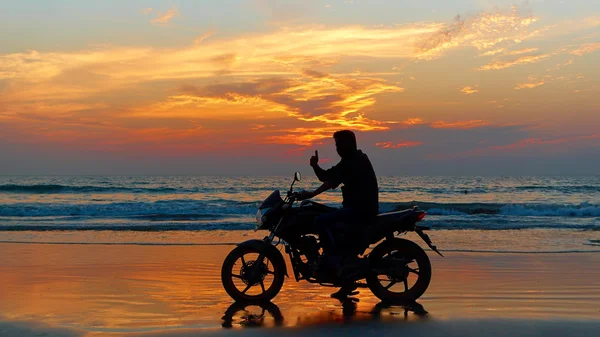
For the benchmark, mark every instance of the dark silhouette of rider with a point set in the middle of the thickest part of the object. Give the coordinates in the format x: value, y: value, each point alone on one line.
x: 360, y: 195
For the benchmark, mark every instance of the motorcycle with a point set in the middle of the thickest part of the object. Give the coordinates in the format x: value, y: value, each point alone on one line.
x: 396, y: 269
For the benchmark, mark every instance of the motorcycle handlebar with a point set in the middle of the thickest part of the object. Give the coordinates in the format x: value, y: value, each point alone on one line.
x: 293, y: 195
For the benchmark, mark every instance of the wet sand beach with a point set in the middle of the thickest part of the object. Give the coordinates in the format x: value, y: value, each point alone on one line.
x: 140, y: 290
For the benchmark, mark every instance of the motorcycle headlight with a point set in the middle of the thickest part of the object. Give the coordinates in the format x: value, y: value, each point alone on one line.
x: 261, y: 217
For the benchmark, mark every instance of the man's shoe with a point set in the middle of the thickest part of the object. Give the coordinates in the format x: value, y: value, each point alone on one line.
x: 345, y: 292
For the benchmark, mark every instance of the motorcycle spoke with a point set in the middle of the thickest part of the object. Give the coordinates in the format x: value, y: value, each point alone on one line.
x: 270, y: 272
x: 236, y: 276
x: 262, y: 285
x: 414, y: 271
x: 405, y: 284
x: 243, y: 261
x: 246, y: 289
x: 390, y: 285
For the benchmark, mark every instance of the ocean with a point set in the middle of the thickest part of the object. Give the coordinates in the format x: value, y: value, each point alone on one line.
x: 496, y: 214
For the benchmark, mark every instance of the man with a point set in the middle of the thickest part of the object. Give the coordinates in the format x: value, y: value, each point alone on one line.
x: 359, y: 193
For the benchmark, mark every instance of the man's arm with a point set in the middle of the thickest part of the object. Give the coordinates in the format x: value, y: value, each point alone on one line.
x: 331, y: 175
x: 320, y: 173
x: 324, y: 187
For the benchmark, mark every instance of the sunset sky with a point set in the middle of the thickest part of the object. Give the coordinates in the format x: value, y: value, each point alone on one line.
x: 465, y: 87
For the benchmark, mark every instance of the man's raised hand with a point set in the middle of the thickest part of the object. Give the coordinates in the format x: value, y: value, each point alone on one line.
x: 314, y: 160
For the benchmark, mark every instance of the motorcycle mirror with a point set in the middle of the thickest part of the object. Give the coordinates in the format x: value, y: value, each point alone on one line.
x: 297, y: 176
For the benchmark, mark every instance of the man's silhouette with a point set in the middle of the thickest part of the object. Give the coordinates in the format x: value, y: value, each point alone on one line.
x: 359, y: 192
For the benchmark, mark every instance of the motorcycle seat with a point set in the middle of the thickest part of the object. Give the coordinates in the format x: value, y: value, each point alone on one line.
x: 394, y: 214
x: 384, y: 220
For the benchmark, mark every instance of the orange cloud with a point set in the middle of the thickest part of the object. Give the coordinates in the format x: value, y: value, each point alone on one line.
x: 471, y: 124
x: 483, y: 31
x: 586, y: 48
x: 534, y: 82
x: 316, y: 97
x: 297, y: 137
x: 493, y: 52
x: 505, y: 51
x: 521, y: 60
x: 413, y: 121
x: 280, y: 52
x: 522, y: 51
x: 164, y: 18
x: 391, y: 145
x: 529, y: 85
x: 469, y: 90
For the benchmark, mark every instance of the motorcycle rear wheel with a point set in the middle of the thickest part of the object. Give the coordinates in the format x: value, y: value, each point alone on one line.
x: 410, y: 277
x: 242, y: 285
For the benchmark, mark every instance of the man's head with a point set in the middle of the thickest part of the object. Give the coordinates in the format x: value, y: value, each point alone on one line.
x: 345, y: 142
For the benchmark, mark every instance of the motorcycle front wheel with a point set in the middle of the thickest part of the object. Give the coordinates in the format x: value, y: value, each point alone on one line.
x: 249, y: 275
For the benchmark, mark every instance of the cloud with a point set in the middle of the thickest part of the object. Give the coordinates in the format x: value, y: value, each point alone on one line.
x: 505, y: 51
x: 146, y: 11
x: 470, y: 124
x: 321, y: 102
x: 279, y: 52
x: 393, y: 145
x: 534, y: 81
x: 469, y: 90
x: 494, y: 52
x: 518, y: 61
x: 497, y: 65
x: 413, y: 121
x: 529, y: 85
x: 313, y: 73
x: 165, y: 18
x: 586, y: 48
x: 225, y: 60
x: 522, y: 51
x: 203, y: 37
x: 484, y: 31
x: 529, y: 142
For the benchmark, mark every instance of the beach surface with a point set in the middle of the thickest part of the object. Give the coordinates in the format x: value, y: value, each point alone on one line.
x: 175, y: 290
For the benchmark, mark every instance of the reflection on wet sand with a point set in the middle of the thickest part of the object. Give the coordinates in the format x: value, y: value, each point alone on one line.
x: 134, y: 289
x: 268, y: 314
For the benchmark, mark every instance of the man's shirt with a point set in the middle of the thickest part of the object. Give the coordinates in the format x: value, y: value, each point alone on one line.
x: 360, y: 191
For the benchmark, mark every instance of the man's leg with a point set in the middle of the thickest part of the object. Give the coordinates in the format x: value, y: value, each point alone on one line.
x: 327, y: 224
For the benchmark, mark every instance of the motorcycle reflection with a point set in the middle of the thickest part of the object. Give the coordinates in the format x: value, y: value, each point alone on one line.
x: 268, y: 315
x: 246, y: 314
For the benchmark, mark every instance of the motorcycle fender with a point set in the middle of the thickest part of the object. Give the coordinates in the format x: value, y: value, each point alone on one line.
x: 264, y: 247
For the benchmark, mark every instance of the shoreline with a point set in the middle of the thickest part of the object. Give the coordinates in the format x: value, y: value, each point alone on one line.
x: 523, y: 241
x: 233, y: 244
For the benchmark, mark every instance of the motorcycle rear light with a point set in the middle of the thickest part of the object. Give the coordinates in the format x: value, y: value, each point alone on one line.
x: 420, y: 216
